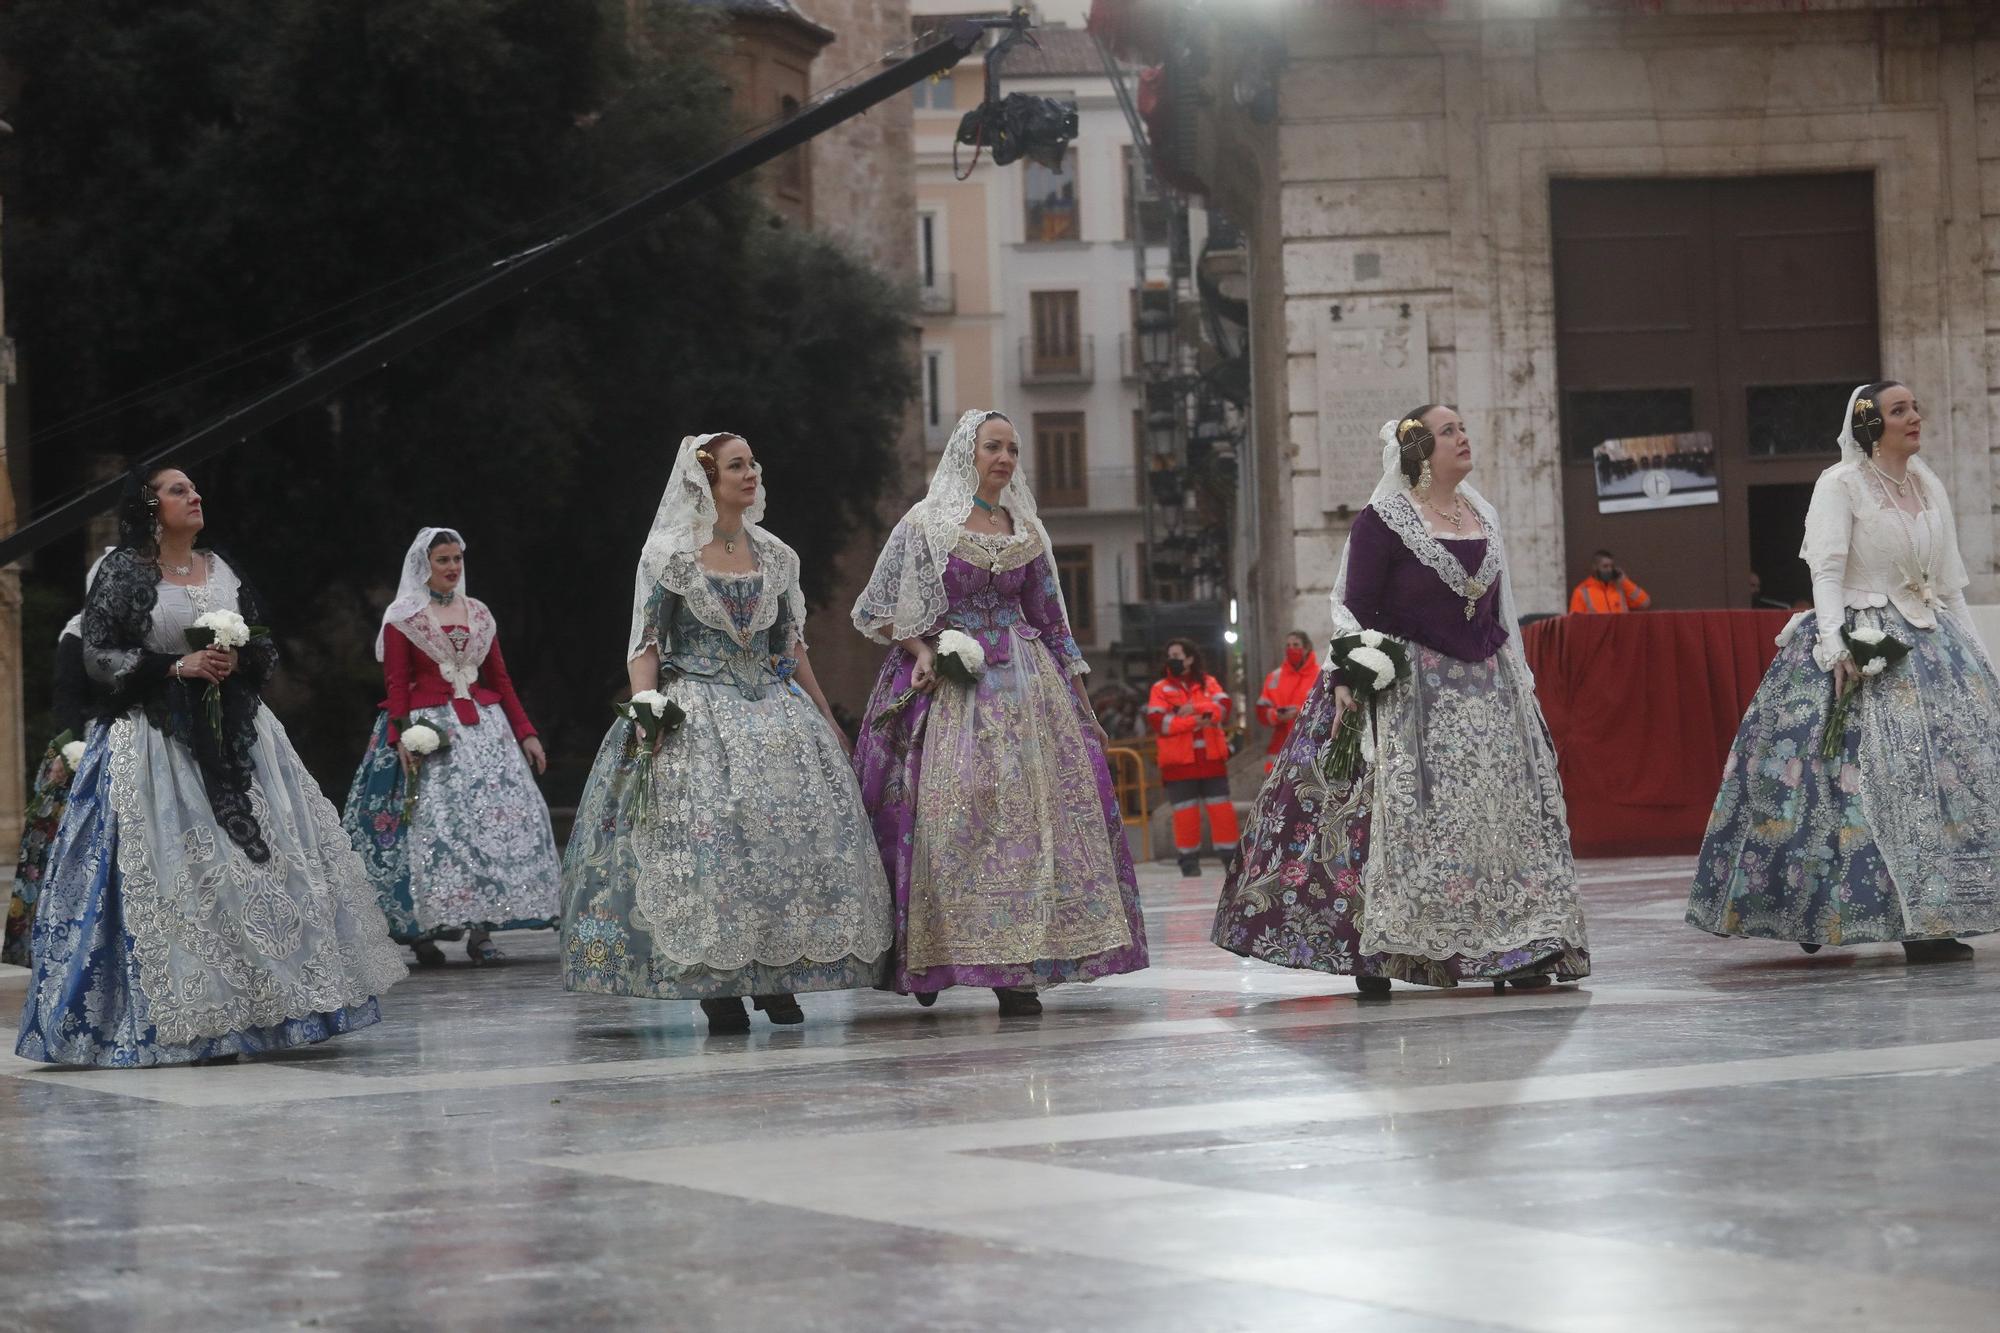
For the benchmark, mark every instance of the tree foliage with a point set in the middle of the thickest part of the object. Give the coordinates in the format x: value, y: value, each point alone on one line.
x: 194, y: 184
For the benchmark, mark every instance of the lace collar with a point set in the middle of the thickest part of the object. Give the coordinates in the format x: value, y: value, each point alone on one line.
x: 1399, y: 512
x: 777, y: 574
x: 459, y: 667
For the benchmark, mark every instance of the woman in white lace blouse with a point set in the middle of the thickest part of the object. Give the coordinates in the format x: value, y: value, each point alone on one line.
x: 1897, y: 836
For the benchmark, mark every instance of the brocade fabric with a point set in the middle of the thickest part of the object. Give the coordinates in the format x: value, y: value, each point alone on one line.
x: 992, y: 803
x: 737, y: 859
x: 1899, y: 837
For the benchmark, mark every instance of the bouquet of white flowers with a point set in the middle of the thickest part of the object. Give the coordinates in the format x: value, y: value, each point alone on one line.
x: 220, y: 629
x: 421, y: 739
x: 959, y: 659
x: 652, y: 716
x: 1367, y: 663
x: 1874, y: 651
x: 72, y: 755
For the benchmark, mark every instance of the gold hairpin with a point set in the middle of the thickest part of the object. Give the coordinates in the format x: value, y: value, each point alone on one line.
x: 703, y: 456
x: 1864, y: 405
x: 1409, y: 424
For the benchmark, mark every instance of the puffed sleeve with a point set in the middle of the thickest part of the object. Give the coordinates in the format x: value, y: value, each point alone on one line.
x: 1041, y: 603
x: 1829, y: 529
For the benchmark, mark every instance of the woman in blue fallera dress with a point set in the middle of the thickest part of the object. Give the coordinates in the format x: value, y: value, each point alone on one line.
x: 202, y: 900
x: 1897, y: 838
x: 733, y: 858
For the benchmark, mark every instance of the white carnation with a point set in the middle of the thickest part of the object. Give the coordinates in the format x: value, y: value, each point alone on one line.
x: 1377, y: 661
x: 72, y: 754
x: 1876, y: 667
x: 970, y: 655
x: 651, y: 700
x: 1867, y: 636
x: 420, y: 739
x: 1791, y: 628
x: 230, y: 629
x: 1371, y: 638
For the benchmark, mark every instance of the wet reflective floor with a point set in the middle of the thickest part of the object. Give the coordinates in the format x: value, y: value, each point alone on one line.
x: 1707, y: 1134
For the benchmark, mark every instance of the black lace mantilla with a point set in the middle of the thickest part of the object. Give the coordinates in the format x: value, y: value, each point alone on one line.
x: 116, y: 619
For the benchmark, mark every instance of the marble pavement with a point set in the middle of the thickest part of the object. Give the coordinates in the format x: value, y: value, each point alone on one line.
x: 1706, y: 1135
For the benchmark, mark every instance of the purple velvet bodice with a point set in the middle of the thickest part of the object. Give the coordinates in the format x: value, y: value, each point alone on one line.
x: 986, y: 603
x: 1390, y: 590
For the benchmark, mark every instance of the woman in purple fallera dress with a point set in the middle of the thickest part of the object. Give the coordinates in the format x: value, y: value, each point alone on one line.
x: 992, y: 802
x: 1444, y: 857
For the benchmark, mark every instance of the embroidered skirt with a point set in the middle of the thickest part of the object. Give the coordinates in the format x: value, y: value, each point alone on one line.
x: 39, y: 824
x: 1444, y: 857
x: 735, y: 861
x: 476, y: 850
x: 994, y: 810
x: 1898, y: 838
x: 157, y: 941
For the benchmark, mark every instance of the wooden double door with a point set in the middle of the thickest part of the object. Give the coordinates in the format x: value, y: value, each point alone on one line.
x: 1744, y: 307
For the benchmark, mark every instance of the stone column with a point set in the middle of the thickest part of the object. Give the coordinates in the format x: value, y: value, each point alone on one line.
x: 13, y: 759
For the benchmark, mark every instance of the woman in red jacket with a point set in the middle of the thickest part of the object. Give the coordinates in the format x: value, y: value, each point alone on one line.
x: 1285, y: 692
x: 457, y: 839
x: 1187, y: 711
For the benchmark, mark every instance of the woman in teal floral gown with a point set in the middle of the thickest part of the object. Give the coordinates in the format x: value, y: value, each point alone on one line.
x: 733, y: 858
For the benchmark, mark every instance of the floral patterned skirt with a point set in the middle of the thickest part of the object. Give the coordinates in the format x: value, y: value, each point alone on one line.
x: 38, y: 833
x: 1898, y: 838
x: 995, y: 813
x: 158, y: 942
x: 735, y: 861
x: 477, y: 850
x: 1451, y: 836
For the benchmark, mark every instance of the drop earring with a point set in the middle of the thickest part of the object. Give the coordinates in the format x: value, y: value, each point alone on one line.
x: 1424, y: 479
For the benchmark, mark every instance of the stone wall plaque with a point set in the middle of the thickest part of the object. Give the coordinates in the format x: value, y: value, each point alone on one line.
x: 1372, y: 364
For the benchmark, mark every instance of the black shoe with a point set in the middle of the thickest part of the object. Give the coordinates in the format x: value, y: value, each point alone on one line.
x: 926, y: 998
x: 1536, y: 982
x: 1372, y: 988
x: 1190, y: 867
x: 213, y: 1060
x: 726, y: 1015
x: 1016, y: 1002
x: 1937, y: 951
x: 480, y: 949
x: 782, y: 1009
x: 428, y: 954
x: 1809, y: 948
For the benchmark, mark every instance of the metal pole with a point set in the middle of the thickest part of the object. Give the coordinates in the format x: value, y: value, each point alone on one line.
x: 534, y: 266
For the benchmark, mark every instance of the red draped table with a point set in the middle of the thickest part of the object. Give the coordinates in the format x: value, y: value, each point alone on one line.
x: 1643, y: 708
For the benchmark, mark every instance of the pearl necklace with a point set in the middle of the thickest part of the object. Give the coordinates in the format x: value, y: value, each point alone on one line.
x: 179, y: 571
x: 1902, y: 487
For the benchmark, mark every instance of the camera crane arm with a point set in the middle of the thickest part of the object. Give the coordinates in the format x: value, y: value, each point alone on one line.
x: 518, y: 275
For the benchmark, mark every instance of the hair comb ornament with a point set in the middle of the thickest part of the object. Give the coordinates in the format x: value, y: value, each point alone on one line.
x: 1409, y: 426
x: 1867, y: 424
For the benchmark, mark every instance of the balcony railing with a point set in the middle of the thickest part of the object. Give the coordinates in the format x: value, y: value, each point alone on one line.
x: 939, y: 296
x: 1075, y: 366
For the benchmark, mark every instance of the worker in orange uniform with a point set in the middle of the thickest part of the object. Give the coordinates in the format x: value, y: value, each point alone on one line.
x: 1606, y: 591
x: 1285, y: 692
x: 1187, y: 711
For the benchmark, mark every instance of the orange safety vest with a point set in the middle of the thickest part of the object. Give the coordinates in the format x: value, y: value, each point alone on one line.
x: 1193, y: 746
x: 1593, y: 597
x: 1285, y: 688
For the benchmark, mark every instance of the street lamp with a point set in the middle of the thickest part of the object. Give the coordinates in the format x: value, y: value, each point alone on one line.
x: 1156, y: 342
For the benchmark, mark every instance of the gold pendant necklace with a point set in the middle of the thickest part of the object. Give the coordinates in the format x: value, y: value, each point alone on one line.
x: 729, y: 540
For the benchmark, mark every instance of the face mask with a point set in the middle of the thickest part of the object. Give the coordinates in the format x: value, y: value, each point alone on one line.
x: 1176, y: 667
x: 1295, y: 657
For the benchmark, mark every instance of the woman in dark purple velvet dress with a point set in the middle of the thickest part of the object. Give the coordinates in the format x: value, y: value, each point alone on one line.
x: 992, y: 802
x: 1445, y: 857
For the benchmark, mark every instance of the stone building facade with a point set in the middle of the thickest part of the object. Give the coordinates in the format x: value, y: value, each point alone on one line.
x: 856, y: 182
x: 1506, y: 189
